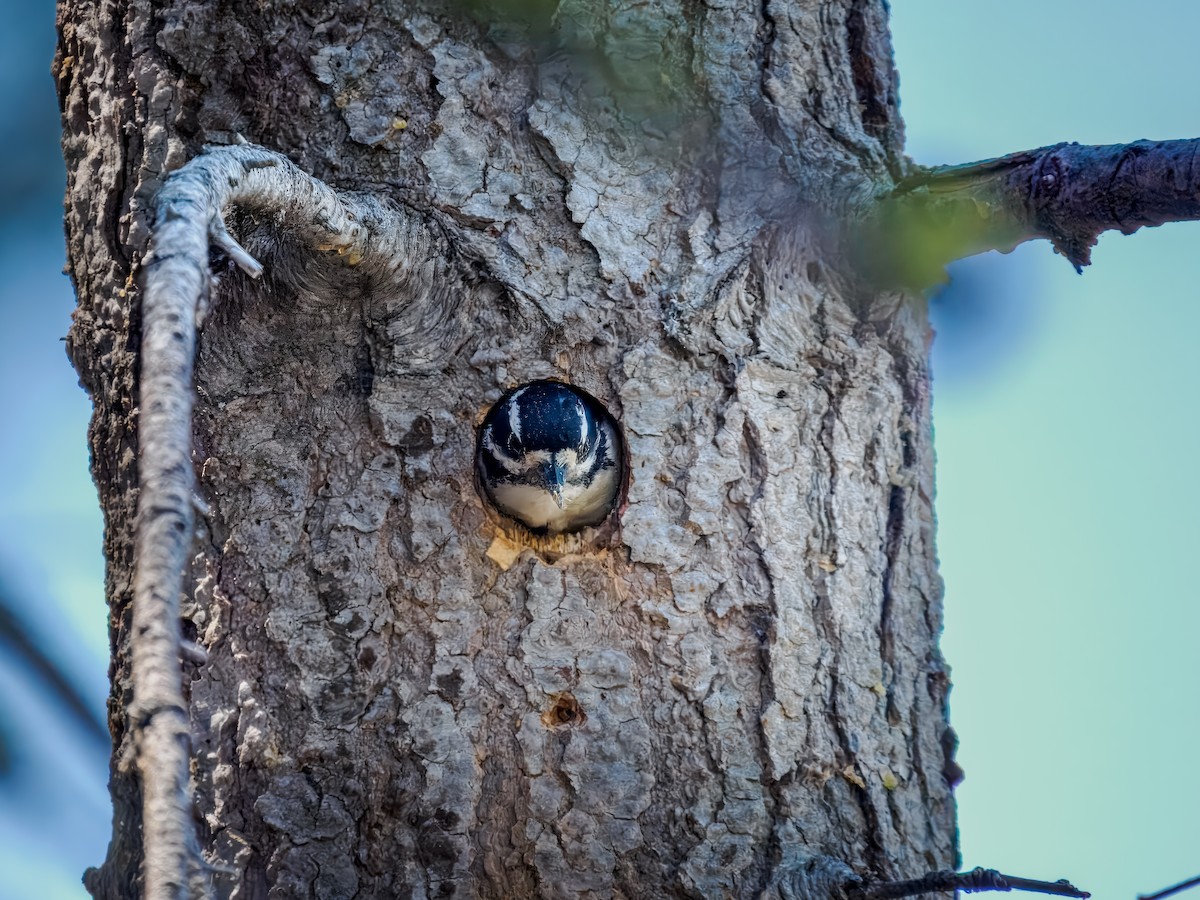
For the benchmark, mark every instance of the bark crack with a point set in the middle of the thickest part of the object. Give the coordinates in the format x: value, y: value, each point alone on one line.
x: 763, y: 628
x: 863, y: 67
x: 834, y: 379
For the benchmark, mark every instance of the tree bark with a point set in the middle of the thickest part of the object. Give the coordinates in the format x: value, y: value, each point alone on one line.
x: 731, y: 689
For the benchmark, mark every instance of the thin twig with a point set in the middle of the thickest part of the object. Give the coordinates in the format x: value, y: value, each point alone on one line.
x: 975, y: 880
x: 190, y: 208
x: 1173, y: 889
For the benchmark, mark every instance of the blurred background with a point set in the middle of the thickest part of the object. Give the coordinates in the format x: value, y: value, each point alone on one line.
x: 55, y: 816
x: 1067, y: 436
x: 1066, y: 432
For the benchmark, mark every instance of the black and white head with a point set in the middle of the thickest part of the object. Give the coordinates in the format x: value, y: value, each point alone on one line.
x: 550, y: 456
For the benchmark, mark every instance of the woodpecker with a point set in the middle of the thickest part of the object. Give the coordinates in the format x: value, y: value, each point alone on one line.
x: 550, y: 456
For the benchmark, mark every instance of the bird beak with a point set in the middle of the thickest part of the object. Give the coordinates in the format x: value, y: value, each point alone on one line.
x: 554, y: 475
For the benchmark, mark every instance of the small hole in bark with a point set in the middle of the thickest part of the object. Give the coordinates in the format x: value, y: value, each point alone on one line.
x: 450, y: 686
x: 565, y: 710
x: 782, y: 395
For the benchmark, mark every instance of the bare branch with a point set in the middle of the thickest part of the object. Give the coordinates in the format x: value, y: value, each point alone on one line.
x: 975, y: 880
x: 1173, y: 889
x: 1067, y: 193
x: 365, y: 233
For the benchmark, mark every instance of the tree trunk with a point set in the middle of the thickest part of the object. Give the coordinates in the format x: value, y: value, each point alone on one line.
x: 734, y: 683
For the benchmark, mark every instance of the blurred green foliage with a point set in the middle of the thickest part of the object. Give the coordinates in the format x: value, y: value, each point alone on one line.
x: 628, y: 62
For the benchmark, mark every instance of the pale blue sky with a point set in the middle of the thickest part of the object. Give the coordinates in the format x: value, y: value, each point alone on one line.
x: 54, y: 809
x: 1066, y: 432
x: 1066, y: 435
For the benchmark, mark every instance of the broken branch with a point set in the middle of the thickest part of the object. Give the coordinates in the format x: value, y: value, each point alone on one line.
x: 1066, y: 193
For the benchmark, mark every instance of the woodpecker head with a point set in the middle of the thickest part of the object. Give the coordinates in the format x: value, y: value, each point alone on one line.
x: 549, y: 455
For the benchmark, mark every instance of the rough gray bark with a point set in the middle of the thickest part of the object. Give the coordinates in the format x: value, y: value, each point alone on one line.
x: 734, y: 688
x: 385, y: 250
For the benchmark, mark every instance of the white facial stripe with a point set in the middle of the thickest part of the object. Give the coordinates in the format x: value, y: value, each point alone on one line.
x: 607, y: 437
x: 514, y: 415
x: 500, y: 454
x: 586, y: 462
x: 583, y: 421
x: 527, y: 462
